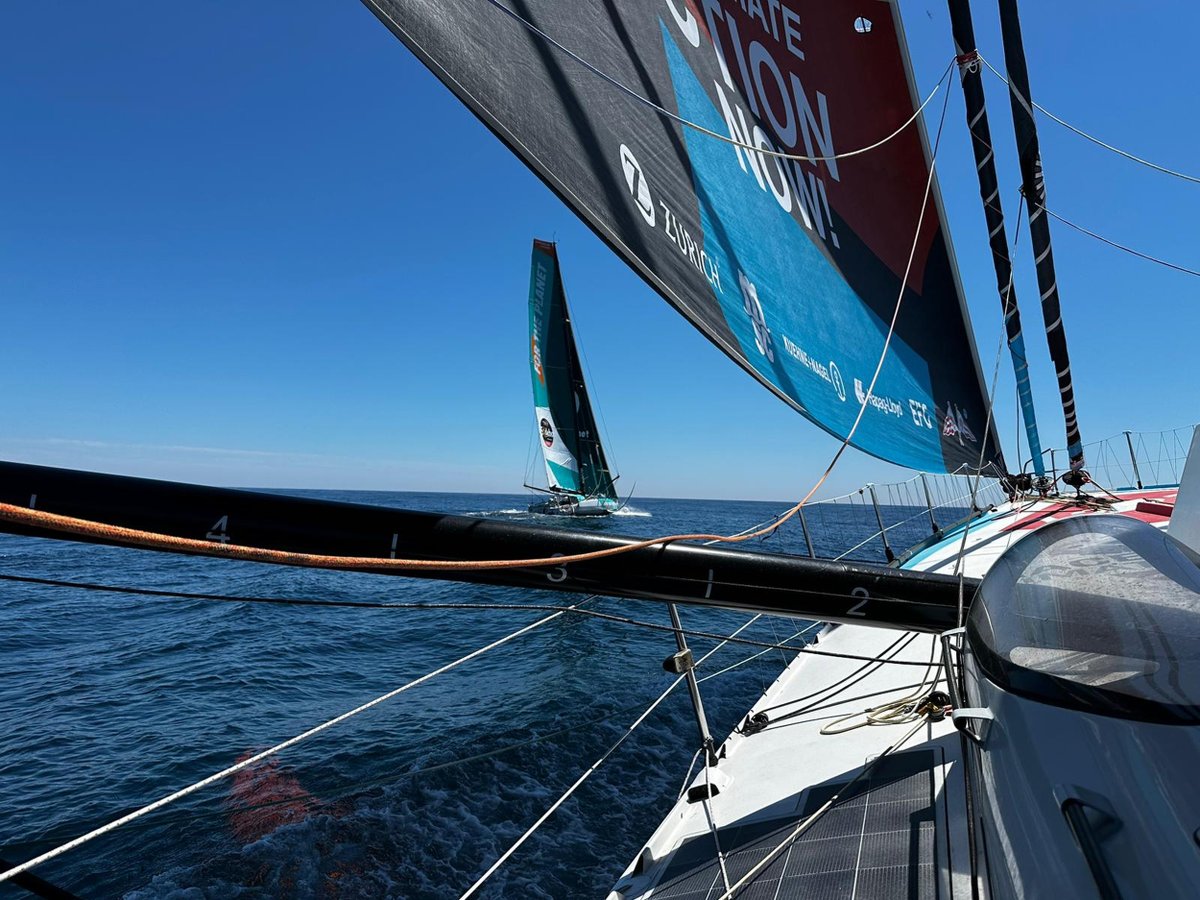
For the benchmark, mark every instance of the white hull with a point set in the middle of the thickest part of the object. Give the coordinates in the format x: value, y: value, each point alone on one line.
x: 902, y: 832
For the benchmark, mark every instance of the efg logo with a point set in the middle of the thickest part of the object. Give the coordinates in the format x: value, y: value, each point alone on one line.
x: 636, y: 182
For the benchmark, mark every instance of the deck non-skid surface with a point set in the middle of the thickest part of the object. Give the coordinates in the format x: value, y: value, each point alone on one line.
x: 876, y: 843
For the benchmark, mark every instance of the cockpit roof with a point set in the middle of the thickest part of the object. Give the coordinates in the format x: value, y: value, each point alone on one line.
x: 1100, y: 613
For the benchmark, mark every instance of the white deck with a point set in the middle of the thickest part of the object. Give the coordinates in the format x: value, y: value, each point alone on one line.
x: 775, y: 778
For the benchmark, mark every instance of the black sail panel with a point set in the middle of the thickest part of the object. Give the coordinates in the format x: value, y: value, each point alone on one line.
x: 793, y: 268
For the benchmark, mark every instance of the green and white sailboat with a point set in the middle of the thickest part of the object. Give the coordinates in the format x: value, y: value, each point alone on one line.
x: 579, y: 482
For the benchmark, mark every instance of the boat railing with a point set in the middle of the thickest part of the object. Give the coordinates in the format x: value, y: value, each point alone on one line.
x: 879, y: 521
x: 1131, y: 459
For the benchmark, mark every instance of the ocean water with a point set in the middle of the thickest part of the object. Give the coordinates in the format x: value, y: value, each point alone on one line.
x: 112, y: 701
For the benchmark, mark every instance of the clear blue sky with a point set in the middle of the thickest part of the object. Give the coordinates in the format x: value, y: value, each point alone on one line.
x: 258, y: 244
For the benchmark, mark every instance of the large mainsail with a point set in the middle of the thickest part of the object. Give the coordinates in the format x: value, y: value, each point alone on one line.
x: 793, y: 268
x: 567, y: 430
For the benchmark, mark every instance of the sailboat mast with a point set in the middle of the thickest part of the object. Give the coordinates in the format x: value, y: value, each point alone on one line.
x: 989, y: 190
x: 1034, y: 188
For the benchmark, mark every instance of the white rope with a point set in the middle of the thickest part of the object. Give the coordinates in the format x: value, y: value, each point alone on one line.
x: 687, y: 776
x: 482, y: 879
x: 900, y: 711
x: 663, y: 111
x: 1083, y: 134
x: 1112, y: 243
x: 742, y: 662
x: 712, y: 824
x: 258, y: 757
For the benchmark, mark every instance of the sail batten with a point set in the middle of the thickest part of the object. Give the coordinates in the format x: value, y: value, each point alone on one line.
x: 793, y: 268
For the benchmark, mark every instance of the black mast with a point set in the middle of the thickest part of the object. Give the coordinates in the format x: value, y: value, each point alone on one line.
x: 989, y: 191
x: 1034, y: 188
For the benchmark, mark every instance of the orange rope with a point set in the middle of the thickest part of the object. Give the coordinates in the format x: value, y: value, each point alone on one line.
x: 39, y: 518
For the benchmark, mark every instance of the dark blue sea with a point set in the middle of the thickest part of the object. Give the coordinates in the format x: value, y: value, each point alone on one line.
x: 111, y: 701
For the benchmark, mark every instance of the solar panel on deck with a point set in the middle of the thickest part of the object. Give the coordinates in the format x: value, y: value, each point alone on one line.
x: 877, y: 843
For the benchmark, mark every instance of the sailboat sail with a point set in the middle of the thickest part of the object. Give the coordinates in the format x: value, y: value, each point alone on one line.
x: 793, y: 268
x: 567, y: 430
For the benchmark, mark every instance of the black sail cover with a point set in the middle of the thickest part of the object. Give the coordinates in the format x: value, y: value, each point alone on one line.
x: 793, y: 268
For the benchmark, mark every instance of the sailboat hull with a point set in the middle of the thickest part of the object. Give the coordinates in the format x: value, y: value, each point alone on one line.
x: 594, y: 506
x: 904, y: 828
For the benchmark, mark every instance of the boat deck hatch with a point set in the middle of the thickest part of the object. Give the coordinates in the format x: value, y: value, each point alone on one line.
x: 878, y: 842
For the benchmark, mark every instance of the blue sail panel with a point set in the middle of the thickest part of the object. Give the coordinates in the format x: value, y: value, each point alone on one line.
x: 792, y: 267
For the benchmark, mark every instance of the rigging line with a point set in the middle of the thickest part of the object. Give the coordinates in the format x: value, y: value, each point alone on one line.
x: 136, y: 537
x: 824, y: 808
x: 899, y: 711
x: 362, y: 604
x: 1146, y: 256
x: 479, y: 882
x: 894, y: 649
x: 265, y: 754
x: 687, y: 776
x: 712, y: 824
x: 917, y: 515
x: 959, y: 569
x: 347, y: 788
x: 663, y: 111
x: 1083, y: 134
x: 755, y: 656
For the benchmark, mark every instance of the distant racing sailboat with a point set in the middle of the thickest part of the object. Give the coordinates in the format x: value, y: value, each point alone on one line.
x: 577, y: 473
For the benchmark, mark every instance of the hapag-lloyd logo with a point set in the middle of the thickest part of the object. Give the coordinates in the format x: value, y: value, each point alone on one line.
x: 883, y: 404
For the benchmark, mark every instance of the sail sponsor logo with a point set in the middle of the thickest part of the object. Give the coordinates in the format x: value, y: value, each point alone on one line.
x: 955, y: 425
x: 676, y: 232
x: 827, y: 372
x: 883, y: 404
x: 536, y: 353
x: 635, y: 180
x: 547, y: 432
x: 835, y: 376
x: 540, y: 278
x: 758, y: 321
x: 689, y: 247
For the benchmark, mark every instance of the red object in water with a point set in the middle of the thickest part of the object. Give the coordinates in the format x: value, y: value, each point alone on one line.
x: 263, y: 798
